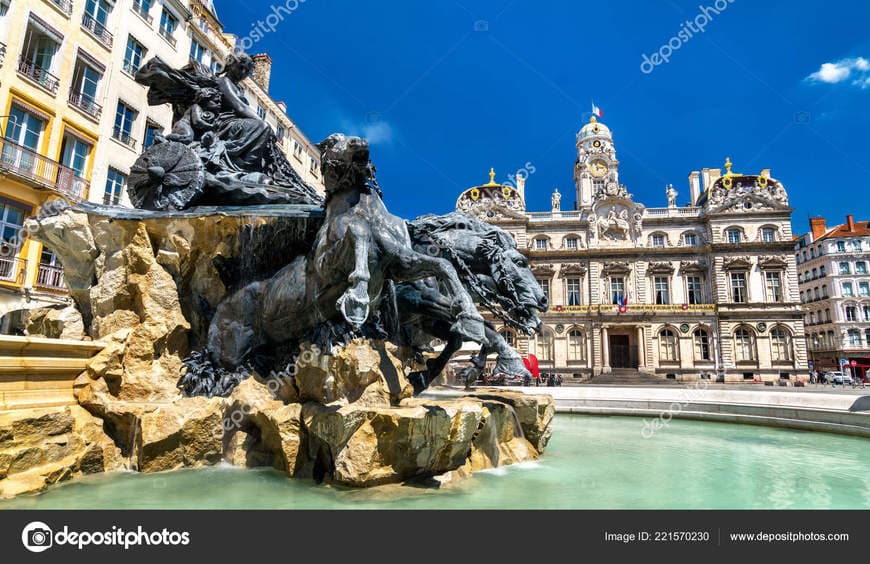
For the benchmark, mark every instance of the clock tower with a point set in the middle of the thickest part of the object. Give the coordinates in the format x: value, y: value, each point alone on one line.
x: 596, y: 165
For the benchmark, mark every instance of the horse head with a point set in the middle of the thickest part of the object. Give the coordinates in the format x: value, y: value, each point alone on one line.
x: 487, y: 260
x: 345, y: 164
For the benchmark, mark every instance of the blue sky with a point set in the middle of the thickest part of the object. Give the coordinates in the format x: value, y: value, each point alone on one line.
x: 443, y: 99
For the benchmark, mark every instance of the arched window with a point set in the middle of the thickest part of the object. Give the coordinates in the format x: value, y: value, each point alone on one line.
x: 508, y: 337
x: 668, y: 346
x: 702, y: 345
x: 544, y: 346
x: 744, y: 345
x: 780, y: 345
x: 576, y: 345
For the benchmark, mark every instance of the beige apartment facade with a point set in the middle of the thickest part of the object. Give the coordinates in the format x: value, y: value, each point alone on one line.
x: 706, y: 290
x: 74, y: 120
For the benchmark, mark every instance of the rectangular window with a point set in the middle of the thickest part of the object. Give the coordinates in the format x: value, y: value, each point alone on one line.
x: 768, y: 235
x: 134, y: 55
x: 658, y: 240
x: 738, y: 287
x: 168, y: 24
x: 24, y: 132
x: 773, y: 286
x: 11, y: 221
x: 662, y: 290
x: 124, y: 119
x: 694, y: 290
x: 617, y: 289
x: 85, y: 86
x: 571, y: 243
x: 848, y: 289
x: 116, y: 183
x: 854, y: 338
x: 142, y: 7
x: 734, y: 236
x: 845, y: 269
x: 261, y: 112
x: 851, y: 313
x: 75, y: 154
x: 151, y: 130
x: 861, y: 268
x: 690, y: 239
x: 197, y: 52
x: 280, y: 132
x: 841, y: 246
x: 864, y: 289
x: 38, y: 57
x: 540, y: 244
x: 866, y: 313
x: 545, y: 287
x: 572, y: 286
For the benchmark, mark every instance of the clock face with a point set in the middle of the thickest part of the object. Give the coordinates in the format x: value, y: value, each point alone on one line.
x: 598, y: 168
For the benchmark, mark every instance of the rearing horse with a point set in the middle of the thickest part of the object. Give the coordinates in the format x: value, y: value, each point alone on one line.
x: 359, y: 247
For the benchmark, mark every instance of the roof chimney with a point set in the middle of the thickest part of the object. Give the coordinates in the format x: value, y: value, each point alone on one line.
x: 819, y: 227
x: 262, y: 70
x: 850, y: 221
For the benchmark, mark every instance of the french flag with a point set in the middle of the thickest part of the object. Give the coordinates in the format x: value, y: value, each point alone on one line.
x: 622, y: 304
x: 597, y: 111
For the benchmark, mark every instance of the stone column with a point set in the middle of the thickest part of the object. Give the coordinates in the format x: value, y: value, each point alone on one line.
x: 605, y: 350
x: 641, y: 348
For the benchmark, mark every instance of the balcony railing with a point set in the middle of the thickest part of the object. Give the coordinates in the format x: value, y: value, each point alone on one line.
x: 39, y: 75
x: 29, y: 164
x: 11, y: 268
x: 2, y: 53
x: 98, y: 30
x: 50, y: 277
x: 142, y: 13
x: 124, y: 138
x: 86, y: 104
x: 64, y: 5
x: 167, y: 35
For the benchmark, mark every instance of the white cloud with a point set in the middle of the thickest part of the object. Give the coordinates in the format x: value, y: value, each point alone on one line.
x: 839, y: 71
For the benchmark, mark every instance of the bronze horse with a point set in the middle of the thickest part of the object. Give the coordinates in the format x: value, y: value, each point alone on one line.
x: 358, y: 249
x: 494, y: 272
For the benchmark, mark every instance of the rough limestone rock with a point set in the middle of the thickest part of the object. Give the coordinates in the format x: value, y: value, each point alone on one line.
x: 534, y: 412
x: 54, y: 323
x: 359, y: 446
x: 40, y: 447
x: 187, y: 433
x: 364, y: 371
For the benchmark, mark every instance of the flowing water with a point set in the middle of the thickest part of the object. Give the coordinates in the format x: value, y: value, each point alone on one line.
x: 592, y: 462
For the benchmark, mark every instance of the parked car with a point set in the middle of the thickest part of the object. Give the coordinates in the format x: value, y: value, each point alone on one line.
x: 838, y: 377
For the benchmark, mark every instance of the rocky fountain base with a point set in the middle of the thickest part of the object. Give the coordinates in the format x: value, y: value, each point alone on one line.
x: 146, y: 284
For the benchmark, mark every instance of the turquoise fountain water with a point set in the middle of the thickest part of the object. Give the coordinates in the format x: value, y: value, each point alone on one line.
x: 592, y: 463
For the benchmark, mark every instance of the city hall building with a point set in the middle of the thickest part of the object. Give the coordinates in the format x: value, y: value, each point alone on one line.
x: 708, y: 290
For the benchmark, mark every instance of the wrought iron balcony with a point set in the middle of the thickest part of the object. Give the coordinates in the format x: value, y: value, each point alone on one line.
x: 11, y: 268
x: 50, y: 277
x: 39, y: 75
x: 86, y: 104
x: 124, y: 138
x: 28, y: 164
x: 98, y: 30
x: 168, y: 37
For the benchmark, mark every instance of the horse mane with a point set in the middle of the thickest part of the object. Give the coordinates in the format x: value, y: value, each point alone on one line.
x: 431, y: 223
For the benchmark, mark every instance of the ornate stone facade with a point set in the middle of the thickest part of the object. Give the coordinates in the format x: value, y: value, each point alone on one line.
x: 705, y: 290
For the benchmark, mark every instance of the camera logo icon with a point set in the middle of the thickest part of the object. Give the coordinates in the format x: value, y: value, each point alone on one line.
x: 37, y: 537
